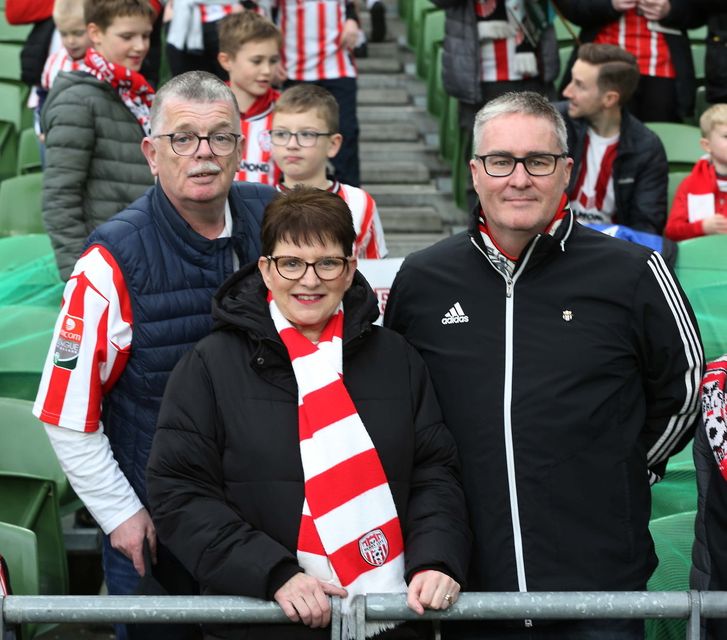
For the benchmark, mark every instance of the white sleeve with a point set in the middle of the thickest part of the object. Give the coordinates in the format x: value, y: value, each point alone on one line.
x: 94, y: 474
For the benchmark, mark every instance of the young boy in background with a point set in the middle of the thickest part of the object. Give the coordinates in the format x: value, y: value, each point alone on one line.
x: 94, y: 121
x: 305, y: 136
x: 700, y: 202
x: 71, y: 26
x: 250, y: 53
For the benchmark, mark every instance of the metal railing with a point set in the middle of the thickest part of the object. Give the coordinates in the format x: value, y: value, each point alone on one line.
x: 688, y: 605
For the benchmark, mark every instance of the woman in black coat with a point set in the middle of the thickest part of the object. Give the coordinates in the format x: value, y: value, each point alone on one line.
x: 274, y: 476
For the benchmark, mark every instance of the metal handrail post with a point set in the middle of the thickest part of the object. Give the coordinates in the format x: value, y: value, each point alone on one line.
x: 335, y: 618
x: 695, y: 618
x: 359, y: 609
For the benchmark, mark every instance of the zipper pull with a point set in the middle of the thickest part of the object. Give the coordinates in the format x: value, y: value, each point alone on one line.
x: 508, y: 290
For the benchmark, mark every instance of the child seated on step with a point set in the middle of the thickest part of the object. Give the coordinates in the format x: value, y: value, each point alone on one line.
x: 305, y: 136
x: 700, y: 202
x: 250, y: 53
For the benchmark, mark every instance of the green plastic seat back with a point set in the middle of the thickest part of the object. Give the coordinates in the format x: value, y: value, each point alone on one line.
x: 28, y: 272
x: 564, y: 54
x: 673, y: 538
x: 677, y: 492
x: 449, y: 132
x: 20, y: 549
x: 681, y: 143
x: 416, y: 19
x: 436, y: 95
x: 562, y: 34
x: 13, y: 96
x: 10, y: 61
x: 28, y: 152
x: 702, y: 271
x: 698, y: 53
x: 675, y: 179
x: 21, y: 209
x: 432, y: 32
x: 11, y: 32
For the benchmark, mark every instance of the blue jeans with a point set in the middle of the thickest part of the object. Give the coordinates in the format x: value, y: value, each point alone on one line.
x: 558, y: 630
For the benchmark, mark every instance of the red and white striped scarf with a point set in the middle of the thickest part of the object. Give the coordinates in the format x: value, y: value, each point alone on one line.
x: 133, y: 89
x: 714, y: 410
x: 350, y: 533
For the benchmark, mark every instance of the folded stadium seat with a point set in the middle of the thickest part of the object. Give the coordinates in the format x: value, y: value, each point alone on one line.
x: 21, y: 205
x: 702, y: 272
x: 677, y: 492
x: 563, y: 35
x: 25, y: 450
x: 698, y: 53
x: 10, y: 61
x: 19, y: 547
x: 449, y: 128
x: 404, y: 9
x: 28, y: 272
x: 8, y: 149
x: 436, y: 95
x: 432, y: 32
x: 675, y: 179
x: 460, y: 175
x: 26, y: 334
x: 28, y: 153
x: 564, y: 53
x: 13, y: 109
x: 13, y: 33
x: 673, y: 537
x: 416, y: 19
x: 681, y: 143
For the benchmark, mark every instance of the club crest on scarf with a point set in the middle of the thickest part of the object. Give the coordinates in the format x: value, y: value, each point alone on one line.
x: 374, y: 547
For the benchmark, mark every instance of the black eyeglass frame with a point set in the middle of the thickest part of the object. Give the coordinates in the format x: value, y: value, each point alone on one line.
x: 295, y: 134
x: 344, y: 266
x: 523, y: 160
x: 236, y: 136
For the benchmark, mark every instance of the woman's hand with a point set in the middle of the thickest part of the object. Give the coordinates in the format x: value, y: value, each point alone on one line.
x: 304, y: 599
x: 431, y: 590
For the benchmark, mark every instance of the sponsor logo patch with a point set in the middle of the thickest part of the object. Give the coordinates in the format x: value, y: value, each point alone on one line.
x: 68, y: 344
x: 263, y: 139
x: 374, y: 547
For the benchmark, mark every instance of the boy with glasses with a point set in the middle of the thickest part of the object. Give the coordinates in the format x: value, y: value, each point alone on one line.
x: 304, y: 137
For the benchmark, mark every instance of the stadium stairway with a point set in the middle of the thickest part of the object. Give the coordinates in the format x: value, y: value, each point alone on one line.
x: 399, y: 142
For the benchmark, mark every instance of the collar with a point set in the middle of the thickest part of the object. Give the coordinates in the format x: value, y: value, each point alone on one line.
x: 261, y: 105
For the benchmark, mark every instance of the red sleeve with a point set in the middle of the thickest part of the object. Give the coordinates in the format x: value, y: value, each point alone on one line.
x: 25, y: 12
x: 678, y: 226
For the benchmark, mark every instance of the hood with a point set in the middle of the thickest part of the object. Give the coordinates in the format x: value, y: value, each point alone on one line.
x: 241, y: 303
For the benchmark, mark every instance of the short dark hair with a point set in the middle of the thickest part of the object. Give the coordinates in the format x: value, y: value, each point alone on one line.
x: 617, y: 68
x: 103, y: 12
x: 237, y: 29
x: 304, y: 215
x: 310, y: 97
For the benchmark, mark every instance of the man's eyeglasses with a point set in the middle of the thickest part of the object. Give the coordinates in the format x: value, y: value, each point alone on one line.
x: 538, y: 165
x: 186, y: 143
x: 281, y: 137
x: 292, y: 268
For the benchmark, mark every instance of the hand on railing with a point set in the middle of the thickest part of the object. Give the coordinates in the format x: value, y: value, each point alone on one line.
x: 304, y: 599
x: 431, y: 590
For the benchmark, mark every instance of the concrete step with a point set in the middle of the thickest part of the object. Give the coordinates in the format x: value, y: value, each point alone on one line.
x: 379, y: 65
x: 392, y: 81
x: 373, y: 152
x: 388, y: 172
x: 392, y: 97
x: 410, y: 220
x: 400, y: 131
x: 388, y: 49
x: 401, y: 245
x: 377, y: 114
x: 409, y: 195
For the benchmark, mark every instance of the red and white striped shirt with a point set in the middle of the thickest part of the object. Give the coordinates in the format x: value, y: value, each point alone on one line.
x: 257, y: 163
x: 635, y: 34
x: 91, y: 344
x: 312, y: 47
x: 57, y: 62
x: 370, y: 242
x: 214, y: 12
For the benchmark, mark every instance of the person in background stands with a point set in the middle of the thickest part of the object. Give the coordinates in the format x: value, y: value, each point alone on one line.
x: 620, y: 172
x: 137, y: 300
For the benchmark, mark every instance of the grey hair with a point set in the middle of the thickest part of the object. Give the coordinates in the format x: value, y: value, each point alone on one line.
x: 193, y: 86
x: 522, y: 102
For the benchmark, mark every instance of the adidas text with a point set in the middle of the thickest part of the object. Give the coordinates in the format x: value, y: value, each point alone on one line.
x: 455, y: 315
x: 455, y: 320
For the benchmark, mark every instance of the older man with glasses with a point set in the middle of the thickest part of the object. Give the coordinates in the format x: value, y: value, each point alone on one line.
x: 567, y: 364
x: 138, y: 299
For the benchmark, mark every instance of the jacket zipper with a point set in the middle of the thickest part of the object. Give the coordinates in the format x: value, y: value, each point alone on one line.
x: 507, y: 414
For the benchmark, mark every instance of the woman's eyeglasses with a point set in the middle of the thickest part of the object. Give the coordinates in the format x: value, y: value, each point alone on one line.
x: 292, y: 268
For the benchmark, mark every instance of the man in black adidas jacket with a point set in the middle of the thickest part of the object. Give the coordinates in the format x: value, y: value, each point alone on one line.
x: 567, y: 364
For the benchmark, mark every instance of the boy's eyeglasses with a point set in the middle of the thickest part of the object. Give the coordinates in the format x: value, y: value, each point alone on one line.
x: 281, y: 137
x: 186, y: 143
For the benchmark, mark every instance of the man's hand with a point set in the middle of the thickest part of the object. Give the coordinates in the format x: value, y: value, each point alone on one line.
x: 654, y: 9
x: 303, y: 599
x: 715, y: 224
x: 129, y: 536
x: 349, y: 34
x: 624, y: 5
x: 431, y: 590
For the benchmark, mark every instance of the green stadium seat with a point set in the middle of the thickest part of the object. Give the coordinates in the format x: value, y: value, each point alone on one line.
x: 19, y: 547
x: 28, y: 272
x: 404, y: 9
x: 26, y: 451
x: 700, y: 104
x: 26, y: 335
x: 702, y: 271
x: 13, y: 109
x: 698, y: 35
x: 677, y: 492
x: 28, y: 152
x: 673, y: 537
x: 563, y: 35
x: 21, y: 209
x: 681, y: 142
x: 10, y: 61
x: 416, y: 19
x: 432, y: 32
x: 564, y: 53
x: 698, y: 53
x: 13, y: 33
x: 675, y: 179
x: 449, y: 128
x: 8, y: 150
x: 436, y: 95
x: 460, y: 174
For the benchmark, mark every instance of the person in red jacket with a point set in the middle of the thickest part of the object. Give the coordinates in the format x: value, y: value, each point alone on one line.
x: 700, y: 203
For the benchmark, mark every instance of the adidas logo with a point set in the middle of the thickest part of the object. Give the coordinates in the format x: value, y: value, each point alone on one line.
x: 455, y: 315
